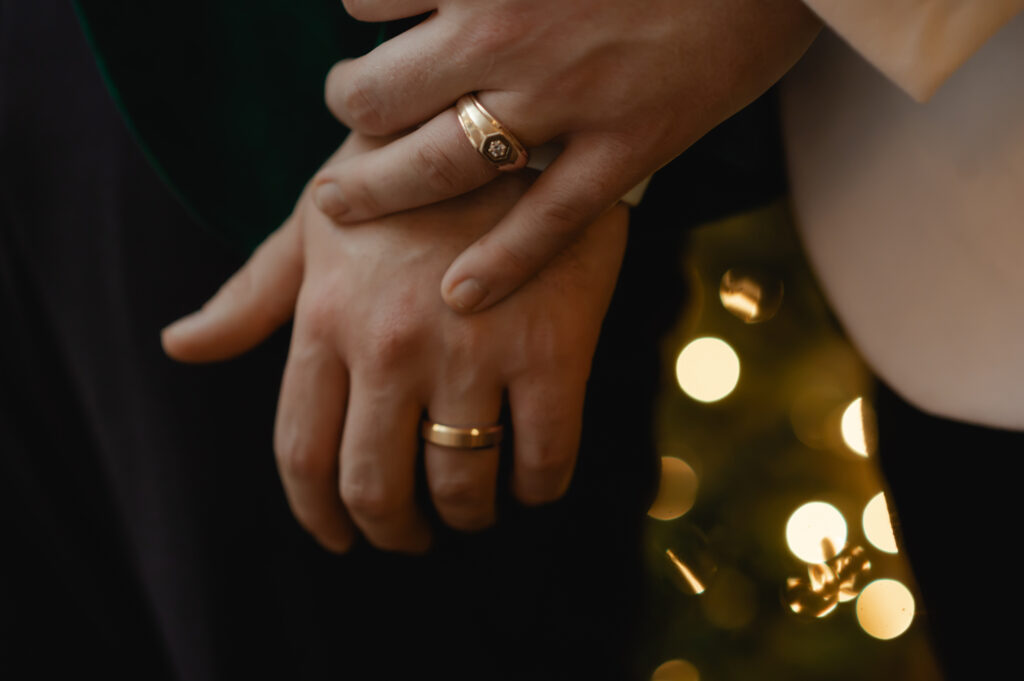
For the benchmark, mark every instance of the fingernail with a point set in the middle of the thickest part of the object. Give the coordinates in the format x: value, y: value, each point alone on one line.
x: 329, y: 200
x: 467, y: 294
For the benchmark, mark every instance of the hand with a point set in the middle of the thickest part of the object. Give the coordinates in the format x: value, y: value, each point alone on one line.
x: 624, y: 87
x: 373, y: 346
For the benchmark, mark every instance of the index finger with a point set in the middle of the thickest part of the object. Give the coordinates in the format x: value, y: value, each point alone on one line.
x: 588, y: 178
x: 307, y: 434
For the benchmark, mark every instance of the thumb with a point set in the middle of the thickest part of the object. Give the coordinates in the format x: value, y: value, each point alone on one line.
x: 251, y: 305
x: 583, y: 182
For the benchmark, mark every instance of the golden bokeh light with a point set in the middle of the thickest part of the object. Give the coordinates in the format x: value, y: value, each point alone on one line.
x: 816, y: 532
x: 686, y: 577
x: 750, y: 295
x: 708, y: 369
x: 676, y: 670
x: 677, y: 489
x: 857, y: 425
x: 816, y: 595
x: 878, y: 524
x: 885, y: 608
x: 852, y: 569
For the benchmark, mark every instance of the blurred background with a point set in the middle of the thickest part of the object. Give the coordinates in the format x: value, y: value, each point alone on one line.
x: 770, y: 549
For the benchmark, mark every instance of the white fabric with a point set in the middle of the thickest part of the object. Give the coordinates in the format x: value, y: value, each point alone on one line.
x: 913, y: 218
x: 916, y: 43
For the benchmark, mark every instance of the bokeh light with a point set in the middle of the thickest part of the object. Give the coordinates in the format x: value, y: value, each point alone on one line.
x: 878, y: 524
x: 885, y: 608
x: 853, y: 569
x: 816, y: 595
x: 708, y: 369
x: 854, y: 429
x: 686, y: 577
x: 750, y: 295
x: 676, y: 670
x: 816, y: 532
x: 677, y: 489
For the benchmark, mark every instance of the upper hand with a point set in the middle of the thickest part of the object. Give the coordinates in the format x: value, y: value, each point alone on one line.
x: 373, y: 346
x: 624, y: 87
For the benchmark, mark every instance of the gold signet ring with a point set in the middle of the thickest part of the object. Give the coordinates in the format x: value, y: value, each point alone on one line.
x: 479, y: 437
x: 494, y: 141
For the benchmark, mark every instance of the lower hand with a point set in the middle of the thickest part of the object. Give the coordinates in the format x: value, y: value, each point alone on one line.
x: 374, y: 346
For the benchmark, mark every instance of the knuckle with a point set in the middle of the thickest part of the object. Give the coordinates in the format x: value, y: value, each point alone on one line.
x: 319, y: 314
x: 508, y: 258
x: 360, y: 106
x: 368, y: 500
x: 564, y: 354
x: 460, y: 494
x: 390, y: 344
x: 553, y: 455
x: 334, y: 90
x: 561, y: 214
x: 359, y: 193
x: 469, y: 345
x: 547, y: 460
x: 296, y: 459
x: 435, y: 165
x: 496, y: 31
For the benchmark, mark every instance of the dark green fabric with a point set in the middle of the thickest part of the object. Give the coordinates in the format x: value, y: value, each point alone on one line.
x: 226, y: 97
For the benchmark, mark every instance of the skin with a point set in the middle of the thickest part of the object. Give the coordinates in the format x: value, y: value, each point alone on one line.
x: 373, y: 348
x: 623, y: 86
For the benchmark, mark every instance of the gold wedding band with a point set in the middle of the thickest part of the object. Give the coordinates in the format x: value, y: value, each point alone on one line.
x: 480, y: 437
x: 494, y: 141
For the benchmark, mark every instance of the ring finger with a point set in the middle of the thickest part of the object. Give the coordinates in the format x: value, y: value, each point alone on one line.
x: 430, y: 164
x: 463, y: 480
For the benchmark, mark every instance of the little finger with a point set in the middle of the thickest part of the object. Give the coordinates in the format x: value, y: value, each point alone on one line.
x: 547, y: 416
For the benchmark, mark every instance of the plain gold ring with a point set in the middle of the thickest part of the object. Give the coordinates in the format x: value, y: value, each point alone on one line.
x: 475, y: 437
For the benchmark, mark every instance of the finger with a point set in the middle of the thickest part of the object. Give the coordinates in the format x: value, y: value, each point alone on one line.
x: 547, y: 413
x: 378, y: 462
x: 404, y: 81
x: 433, y: 163
x: 584, y: 181
x: 307, y: 434
x: 463, y: 481
x: 387, y: 10
x: 254, y: 302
